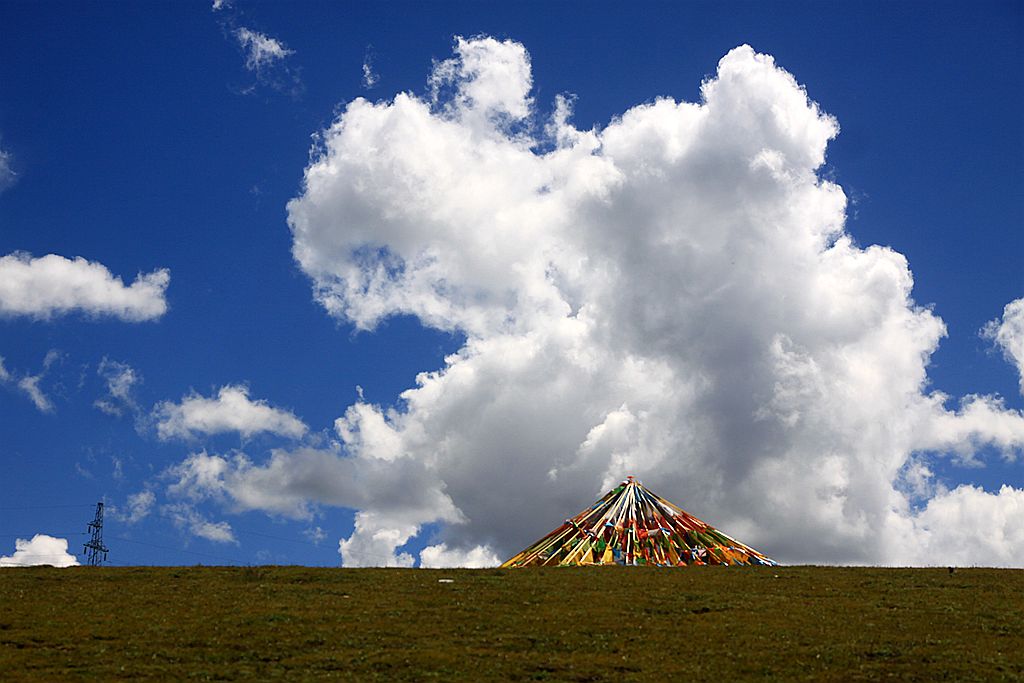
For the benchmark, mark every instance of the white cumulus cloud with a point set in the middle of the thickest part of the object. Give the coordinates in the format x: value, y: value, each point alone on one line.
x: 375, y: 540
x: 967, y: 526
x: 230, y: 411
x: 1008, y: 334
x: 52, y: 285
x: 291, y: 479
x: 673, y: 296
x: 441, y: 556
x: 41, y: 549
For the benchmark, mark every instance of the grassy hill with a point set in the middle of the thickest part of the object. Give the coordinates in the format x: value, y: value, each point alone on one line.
x: 571, y: 624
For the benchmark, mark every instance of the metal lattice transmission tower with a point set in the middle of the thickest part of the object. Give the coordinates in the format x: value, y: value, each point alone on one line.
x: 95, y: 551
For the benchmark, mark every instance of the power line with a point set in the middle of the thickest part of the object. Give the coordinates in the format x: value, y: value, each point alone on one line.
x: 177, y: 550
x: 103, y: 549
x: 122, y: 564
x: 376, y: 556
x: 45, y: 507
x: 276, y: 538
x: 232, y: 559
x: 45, y: 533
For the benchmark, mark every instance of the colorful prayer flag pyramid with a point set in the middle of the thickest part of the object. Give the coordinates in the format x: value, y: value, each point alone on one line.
x: 631, y: 525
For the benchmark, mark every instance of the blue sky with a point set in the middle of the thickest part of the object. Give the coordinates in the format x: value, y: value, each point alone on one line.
x: 137, y: 136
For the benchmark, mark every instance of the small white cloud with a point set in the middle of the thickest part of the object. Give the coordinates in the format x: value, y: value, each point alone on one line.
x: 107, y: 407
x: 7, y: 175
x: 230, y: 411
x: 441, y: 556
x: 29, y: 384
x: 315, y: 535
x: 138, y: 507
x: 188, y: 519
x: 219, y: 532
x: 120, y: 378
x: 260, y: 50
x: 370, y: 76
x: 42, y: 549
x: 218, y: 5
x: 1008, y: 334
x: 53, y: 285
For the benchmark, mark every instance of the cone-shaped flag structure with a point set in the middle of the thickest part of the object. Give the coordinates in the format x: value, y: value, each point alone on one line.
x: 631, y: 525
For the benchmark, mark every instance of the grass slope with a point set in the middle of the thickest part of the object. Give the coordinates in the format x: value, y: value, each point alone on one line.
x: 578, y: 624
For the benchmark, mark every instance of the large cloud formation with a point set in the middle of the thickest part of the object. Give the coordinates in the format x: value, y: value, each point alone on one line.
x: 673, y: 296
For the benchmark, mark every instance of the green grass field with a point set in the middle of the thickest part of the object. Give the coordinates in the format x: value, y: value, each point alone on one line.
x: 560, y: 624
